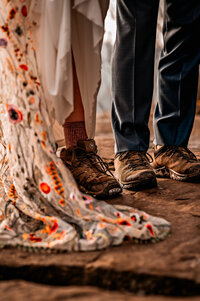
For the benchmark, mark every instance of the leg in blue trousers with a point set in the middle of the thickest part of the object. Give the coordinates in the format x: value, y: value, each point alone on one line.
x: 178, y: 82
x: 133, y: 65
x: 178, y: 73
x: 132, y: 78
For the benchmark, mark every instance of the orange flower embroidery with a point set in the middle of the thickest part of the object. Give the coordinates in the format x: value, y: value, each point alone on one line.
x: 62, y: 202
x: 31, y: 100
x: 37, y: 118
x: 58, y: 186
x: 12, y: 193
x: 44, y: 135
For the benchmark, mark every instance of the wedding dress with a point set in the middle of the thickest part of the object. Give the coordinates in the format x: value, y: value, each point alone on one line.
x: 40, y: 204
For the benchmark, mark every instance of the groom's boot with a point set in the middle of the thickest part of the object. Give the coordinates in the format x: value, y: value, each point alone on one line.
x: 177, y: 163
x: 133, y: 170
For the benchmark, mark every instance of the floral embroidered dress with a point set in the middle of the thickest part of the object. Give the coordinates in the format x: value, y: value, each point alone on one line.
x: 40, y: 204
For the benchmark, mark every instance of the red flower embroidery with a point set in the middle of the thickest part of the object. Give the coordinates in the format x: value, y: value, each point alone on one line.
x: 45, y: 188
x: 24, y: 11
x: 133, y: 217
x: 124, y: 223
x: 23, y: 67
x: 149, y: 227
x: 54, y: 227
x: 35, y: 239
x: 15, y: 116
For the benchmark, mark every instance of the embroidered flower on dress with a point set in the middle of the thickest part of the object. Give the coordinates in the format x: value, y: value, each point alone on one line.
x: 45, y: 188
x: 23, y: 67
x: 12, y: 13
x: 18, y: 30
x: 123, y: 222
x: 24, y: 11
x: 15, y: 115
x: 3, y: 43
x: 6, y: 29
x: 33, y: 238
x: 62, y: 202
x: 149, y: 227
x: 134, y: 218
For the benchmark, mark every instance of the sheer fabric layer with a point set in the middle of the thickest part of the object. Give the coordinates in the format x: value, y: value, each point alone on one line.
x: 65, y: 27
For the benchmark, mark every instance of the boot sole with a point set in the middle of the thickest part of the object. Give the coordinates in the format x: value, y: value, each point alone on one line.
x: 108, y: 193
x: 150, y: 183
x: 164, y: 172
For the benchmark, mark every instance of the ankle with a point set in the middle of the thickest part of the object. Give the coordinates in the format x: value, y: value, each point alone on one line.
x: 73, y: 132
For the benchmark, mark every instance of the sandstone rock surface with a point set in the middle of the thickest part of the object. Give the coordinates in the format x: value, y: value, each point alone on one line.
x: 131, y: 272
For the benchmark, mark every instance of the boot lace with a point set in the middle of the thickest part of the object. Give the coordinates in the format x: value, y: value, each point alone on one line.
x: 136, y: 159
x: 95, y: 160
x: 181, y: 152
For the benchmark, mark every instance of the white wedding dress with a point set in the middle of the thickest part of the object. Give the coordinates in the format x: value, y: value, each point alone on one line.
x: 40, y: 204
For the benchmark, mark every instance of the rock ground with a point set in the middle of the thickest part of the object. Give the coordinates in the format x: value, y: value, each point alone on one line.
x: 151, y: 272
x: 23, y: 291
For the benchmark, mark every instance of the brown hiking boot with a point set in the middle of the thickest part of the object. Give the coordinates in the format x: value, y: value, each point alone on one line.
x: 133, y: 170
x: 177, y: 163
x: 89, y: 170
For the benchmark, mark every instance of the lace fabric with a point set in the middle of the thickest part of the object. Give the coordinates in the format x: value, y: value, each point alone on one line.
x: 40, y: 204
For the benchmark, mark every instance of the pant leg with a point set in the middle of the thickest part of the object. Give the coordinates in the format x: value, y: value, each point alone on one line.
x: 132, y: 73
x: 178, y: 73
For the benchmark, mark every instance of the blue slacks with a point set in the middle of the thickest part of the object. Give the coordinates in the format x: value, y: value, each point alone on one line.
x: 133, y: 72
